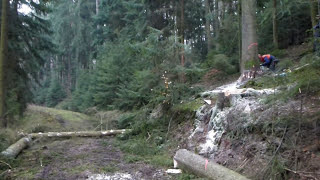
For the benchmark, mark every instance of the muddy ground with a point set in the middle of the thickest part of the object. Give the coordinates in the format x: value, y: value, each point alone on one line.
x: 81, y: 158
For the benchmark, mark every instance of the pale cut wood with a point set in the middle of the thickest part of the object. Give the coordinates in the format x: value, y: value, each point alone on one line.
x: 79, y: 133
x: 16, y: 148
x: 200, y: 166
x: 13, y: 150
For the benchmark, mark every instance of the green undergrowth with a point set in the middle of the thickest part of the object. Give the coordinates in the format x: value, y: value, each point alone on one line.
x: 188, y: 106
x: 151, y: 140
x: 141, y: 149
x: 303, y: 78
x: 43, y: 119
x: 7, y: 164
x: 146, y: 141
x: 67, y: 115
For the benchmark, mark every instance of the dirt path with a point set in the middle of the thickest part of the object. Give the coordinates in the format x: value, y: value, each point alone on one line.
x: 81, y: 158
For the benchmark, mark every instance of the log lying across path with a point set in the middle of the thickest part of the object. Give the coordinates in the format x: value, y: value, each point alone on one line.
x: 16, y: 148
x: 78, y: 134
x: 200, y: 166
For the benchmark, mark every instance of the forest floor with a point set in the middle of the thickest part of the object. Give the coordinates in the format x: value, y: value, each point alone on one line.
x: 75, y: 158
x: 81, y: 158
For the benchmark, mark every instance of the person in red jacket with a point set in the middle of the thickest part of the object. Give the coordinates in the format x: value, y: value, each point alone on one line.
x: 268, y: 60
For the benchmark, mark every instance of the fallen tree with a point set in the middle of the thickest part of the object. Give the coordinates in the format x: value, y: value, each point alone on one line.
x: 13, y: 150
x: 78, y: 134
x: 198, y: 165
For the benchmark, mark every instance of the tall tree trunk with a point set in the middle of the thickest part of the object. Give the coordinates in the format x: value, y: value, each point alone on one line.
x: 207, y: 16
x: 240, y: 37
x: 69, y: 83
x: 182, y: 31
x: 275, y: 26
x: 216, y: 23
x: 97, y: 7
x: 97, y: 10
x: 3, y: 58
x: 318, y: 6
x: 314, y: 12
x: 222, y: 11
x: 249, y: 35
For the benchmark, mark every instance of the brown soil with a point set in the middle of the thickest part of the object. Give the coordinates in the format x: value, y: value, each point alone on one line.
x: 79, y: 158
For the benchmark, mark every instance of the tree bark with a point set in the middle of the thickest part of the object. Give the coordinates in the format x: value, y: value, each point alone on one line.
x: 198, y: 165
x: 314, y: 12
x: 275, y: 26
x: 182, y: 31
x: 207, y: 16
x: 16, y: 148
x: 3, y: 58
x: 97, y: 6
x: 240, y: 37
x: 216, y: 23
x: 249, y: 36
x: 97, y: 10
x: 69, y: 80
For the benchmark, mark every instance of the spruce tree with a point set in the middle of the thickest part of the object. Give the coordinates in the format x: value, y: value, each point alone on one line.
x: 3, y: 59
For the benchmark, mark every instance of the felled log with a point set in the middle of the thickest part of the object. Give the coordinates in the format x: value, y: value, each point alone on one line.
x: 200, y: 166
x: 13, y: 150
x: 79, y: 133
x: 24, y: 142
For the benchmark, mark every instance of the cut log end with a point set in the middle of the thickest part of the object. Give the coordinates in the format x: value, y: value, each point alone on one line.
x: 200, y: 166
x: 13, y: 150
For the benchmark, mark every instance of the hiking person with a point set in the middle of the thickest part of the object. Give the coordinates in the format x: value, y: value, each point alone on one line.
x: 269, y: 61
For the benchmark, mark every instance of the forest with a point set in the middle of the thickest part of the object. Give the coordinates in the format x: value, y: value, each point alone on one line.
x: 127, y: 89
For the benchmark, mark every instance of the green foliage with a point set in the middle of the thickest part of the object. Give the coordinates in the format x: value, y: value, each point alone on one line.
x: 284, y: 64
x: 55, y: 93
x: 110, y: 168
x: 138, y: 147
x: 193, y: 72
x: 126, y: 121
x: 185, y: 176
x: 82, y: 96
x: 127, y: 73
x: 293, y: 19
x: 251, y: 63
x: 138, y: 92
x: 279, y: 53
x: 179, y: 92
x: 41, y: 92
x: 304, y: 79
x: 307, y: 79
x: 28, y: 44
x: 278, y: 171
x: 41, y: 119
x: 229, y: 37
x: 7, y: 137
x: 162, y: 160
x: 191, y: 106
x: 141, y: 149
x: 220, y: 62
